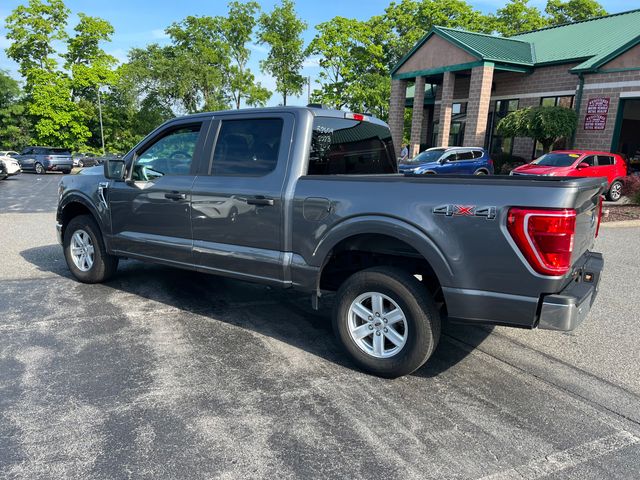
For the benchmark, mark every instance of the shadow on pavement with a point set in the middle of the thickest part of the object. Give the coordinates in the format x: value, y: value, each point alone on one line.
x: 220, y: 299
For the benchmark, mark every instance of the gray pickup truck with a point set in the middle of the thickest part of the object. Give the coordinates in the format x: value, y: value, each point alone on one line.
x: 309, y: 199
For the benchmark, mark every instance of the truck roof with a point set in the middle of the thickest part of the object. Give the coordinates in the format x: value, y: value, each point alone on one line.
x: 315, y: 111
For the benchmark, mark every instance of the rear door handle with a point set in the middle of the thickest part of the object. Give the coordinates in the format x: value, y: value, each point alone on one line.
x: 175, y: 195
x: 260, y: 200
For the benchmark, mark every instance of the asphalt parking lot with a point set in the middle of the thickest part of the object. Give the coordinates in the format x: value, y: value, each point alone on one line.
x: 162, y: 373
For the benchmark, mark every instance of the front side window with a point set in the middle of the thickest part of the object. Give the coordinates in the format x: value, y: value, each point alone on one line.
x: 248, y: 147
x: 341, y: 146
x: 590, y: 160
x: 170, y: 155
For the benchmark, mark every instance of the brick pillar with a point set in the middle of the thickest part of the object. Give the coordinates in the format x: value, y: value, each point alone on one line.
x: 416, y: 118
x: 396, y: 112
x: 448, y: 82
x: 478, y: 106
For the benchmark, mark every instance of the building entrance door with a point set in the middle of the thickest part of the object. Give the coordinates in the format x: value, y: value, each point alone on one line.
x: 626, y: 138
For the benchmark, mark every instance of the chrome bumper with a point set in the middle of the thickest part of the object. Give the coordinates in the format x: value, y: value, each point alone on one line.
x: 59, y: 232
x: 566, y: 310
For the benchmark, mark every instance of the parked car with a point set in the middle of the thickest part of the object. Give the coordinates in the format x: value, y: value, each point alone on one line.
x: 11, y: 165
x: 450, y: 161
x: 45, y: 159
x: 82, y: 160
x: 580, y: 163
x: 3, y: 171
x: 310, y: 199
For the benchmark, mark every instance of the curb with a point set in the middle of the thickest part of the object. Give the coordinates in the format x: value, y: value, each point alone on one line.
x: 621, y: 224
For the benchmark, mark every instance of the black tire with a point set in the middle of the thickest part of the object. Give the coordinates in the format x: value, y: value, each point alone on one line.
x: 615, y: 191
x: 481, y: 172
x: 104, y: 265
x: 39, y: 169
x: 421, y: 315
x: 66, y: 172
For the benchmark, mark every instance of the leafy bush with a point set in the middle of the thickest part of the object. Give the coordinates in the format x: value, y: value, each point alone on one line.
x: 503, y: 163
x: 631, y: 188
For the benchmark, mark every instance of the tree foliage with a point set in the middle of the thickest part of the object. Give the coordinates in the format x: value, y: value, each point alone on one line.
x: 517, y: 16
x: 14, y: 125
x: 282, y: 31
x: 573, y: 10
x: 544, y: 124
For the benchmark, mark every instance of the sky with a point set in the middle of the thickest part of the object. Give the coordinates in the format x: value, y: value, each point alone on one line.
x: 138, y: 23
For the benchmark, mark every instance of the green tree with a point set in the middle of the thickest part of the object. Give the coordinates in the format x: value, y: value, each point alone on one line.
x: 573, y: 10
x: 14, y: 124
x: 282, y: 31
x: 237, y: 30
x: 33, y: 30
x: 517, y: 16
x: 544, y: 124
x: 354, y: 71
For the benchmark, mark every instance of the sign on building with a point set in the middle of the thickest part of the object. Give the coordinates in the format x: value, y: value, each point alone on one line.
x: 595, y: 122
x: 597, y: 110
x: 598, y: 105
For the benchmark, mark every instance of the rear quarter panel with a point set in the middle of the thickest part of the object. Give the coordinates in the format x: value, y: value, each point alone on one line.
x: 471, y: 252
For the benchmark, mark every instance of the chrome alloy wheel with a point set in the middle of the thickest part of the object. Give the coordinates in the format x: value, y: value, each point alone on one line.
x: 377, y: 325
x: 82, y: 250
x: 616, y: 191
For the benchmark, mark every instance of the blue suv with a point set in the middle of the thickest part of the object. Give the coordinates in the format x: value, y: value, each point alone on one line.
x: 450, y: 161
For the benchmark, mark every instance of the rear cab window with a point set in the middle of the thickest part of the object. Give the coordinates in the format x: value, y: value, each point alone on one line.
x: 341, y: 146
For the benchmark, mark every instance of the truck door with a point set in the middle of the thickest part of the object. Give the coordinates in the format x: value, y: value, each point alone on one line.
x: 150, y: 211
x: 237, y: 204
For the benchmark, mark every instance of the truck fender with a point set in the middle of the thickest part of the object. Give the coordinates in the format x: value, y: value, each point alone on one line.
x: 101, y: 218
x: 391, y: 227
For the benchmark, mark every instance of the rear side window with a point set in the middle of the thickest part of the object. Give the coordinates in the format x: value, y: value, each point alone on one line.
x: 604, y: 160
x: 461, y: 156
x: 477, y: 154
x: 341, y: 146
x: 248, y: 147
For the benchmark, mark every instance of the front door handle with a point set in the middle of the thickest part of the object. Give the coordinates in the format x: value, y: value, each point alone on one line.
x: 175, y: 195
x: 260, y: 200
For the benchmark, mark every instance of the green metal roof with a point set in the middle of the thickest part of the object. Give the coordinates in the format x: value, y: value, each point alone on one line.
x: 490, y: 47
x: 593, y: 41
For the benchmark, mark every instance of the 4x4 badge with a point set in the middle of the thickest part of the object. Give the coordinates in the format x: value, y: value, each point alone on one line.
x: 465, y: 211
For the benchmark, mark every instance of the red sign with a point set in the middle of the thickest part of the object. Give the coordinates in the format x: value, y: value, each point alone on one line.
x: 595, y: 122
x: 598, y: 106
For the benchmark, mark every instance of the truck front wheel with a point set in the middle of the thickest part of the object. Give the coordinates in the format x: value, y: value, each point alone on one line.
x: 387, y: 321
x: 85, y: 252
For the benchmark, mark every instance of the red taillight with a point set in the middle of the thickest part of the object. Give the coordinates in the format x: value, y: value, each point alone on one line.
x: 545, y: 237
x: 600, y: 204
x: 491, y: 162
x: 355, y: 116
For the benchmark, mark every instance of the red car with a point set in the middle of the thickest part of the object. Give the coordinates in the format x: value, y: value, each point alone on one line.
x: 580, y: 163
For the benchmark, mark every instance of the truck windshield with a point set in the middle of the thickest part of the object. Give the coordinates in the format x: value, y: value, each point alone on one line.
x: 556, y: 159
x: 341, y: 146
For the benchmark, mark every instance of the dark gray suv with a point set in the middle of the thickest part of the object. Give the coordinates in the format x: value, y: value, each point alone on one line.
x: 45, y: 159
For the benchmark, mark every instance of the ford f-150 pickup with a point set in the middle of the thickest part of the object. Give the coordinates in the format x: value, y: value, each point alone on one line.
x: 310, y: 199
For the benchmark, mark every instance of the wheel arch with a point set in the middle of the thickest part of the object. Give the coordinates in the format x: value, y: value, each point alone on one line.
x: 73, y: 206
x: 389, y: 240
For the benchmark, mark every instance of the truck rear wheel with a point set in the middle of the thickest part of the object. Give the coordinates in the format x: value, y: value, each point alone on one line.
x: 387, y: 321
x: 85, y: 252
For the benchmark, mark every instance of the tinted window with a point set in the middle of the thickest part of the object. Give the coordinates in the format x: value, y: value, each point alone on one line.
x: 340, y: 146
x: 57, y: 151
x: 427, y: 156
x: 247, y: 147
x: 604, y: 160
x: 556, y: 159
x: 477, y: 154
x: 172, y: 154
x: 590, y: 160
x: 461, y: 156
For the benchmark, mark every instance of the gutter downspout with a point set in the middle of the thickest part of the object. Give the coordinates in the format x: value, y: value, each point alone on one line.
x: 578, y: 105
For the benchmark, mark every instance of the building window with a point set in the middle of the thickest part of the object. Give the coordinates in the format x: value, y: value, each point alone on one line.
x: 500, y: 144
x: 567, y: 102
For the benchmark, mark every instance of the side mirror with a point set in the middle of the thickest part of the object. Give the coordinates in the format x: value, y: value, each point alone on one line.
x: 114, y: 168
x: 582, y: 165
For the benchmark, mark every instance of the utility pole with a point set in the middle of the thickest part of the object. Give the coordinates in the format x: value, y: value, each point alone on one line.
x: 100, y: 115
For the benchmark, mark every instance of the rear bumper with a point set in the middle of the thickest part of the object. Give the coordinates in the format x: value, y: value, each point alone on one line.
x: 566, y: 310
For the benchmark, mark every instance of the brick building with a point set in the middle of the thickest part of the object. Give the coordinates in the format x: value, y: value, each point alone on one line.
x: 459, y: 84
